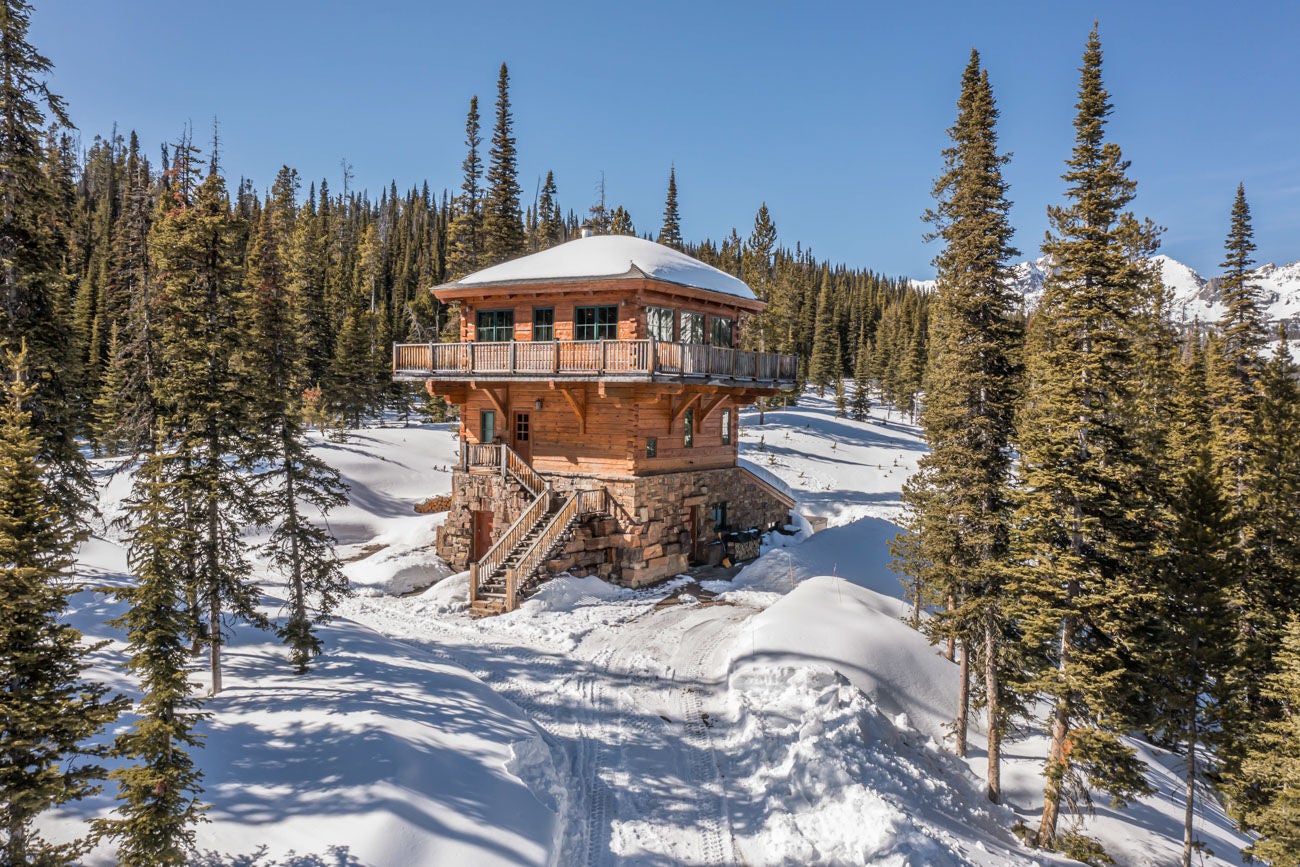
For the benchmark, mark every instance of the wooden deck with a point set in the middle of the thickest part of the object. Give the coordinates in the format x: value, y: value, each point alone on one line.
x: 626, y: 360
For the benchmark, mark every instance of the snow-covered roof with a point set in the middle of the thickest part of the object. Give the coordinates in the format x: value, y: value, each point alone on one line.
x: 610, y: 256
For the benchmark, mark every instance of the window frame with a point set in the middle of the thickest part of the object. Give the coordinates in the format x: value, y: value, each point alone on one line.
x: 652, y: 447
x: 497, y: 327
x: 685, y: 334
x: 726, y: 427
x: 487, y: 421
x: 714, y: 322
x: 650, y: 324
x: 598, y: 330
x: 549, y: 326
x: 688, y: 429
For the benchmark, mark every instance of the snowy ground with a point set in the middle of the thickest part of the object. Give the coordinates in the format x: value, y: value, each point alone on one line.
x: 795, y: 719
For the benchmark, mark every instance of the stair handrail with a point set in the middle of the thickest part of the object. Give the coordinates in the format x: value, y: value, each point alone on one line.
x: 509, y: 540
x: 523, y: 471
x: 575, y: 504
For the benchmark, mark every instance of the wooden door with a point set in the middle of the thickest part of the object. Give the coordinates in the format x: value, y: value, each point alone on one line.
x: 523, y: 437
x: 482, y: 534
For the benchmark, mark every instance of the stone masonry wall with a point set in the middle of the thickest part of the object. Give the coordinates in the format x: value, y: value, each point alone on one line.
x: 645, y: 539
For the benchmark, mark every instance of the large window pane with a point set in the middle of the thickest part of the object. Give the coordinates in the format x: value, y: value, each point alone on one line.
x: 720, y: 329
x: 495, y: 326
x: 596, y: 323
x: 659, y: 323
x: 543, y: 323
x: 692, y: 327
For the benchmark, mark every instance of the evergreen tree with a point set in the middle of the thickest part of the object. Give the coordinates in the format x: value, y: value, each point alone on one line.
x: 32, y: 281
x: 47, y: 711
x: 958, y: 504
x: 503, y: 227
x: 131, y: 290
x: 294, y: 478
x: 1193, y: 639
x: 620, y: 222
x: 860, y: 409
x: 550, y: 224
x: 1084, y: 518
x: 823, y: 366
x: 110, y: 409
x: 201, y: 397
x: 159, y: 789
x: 465, y: 234
x: 1271, y: 766
x: 1267, y: 588
x: 670, y: 233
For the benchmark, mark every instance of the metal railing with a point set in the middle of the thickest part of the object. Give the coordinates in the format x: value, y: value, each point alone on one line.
x: 591, y: 357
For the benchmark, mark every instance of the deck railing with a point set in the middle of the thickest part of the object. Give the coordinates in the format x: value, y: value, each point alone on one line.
x: 496, y: 555
x: 591, y: 357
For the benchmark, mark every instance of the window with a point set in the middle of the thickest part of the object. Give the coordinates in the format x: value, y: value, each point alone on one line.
x: 596, y: 323
x: 659, y: 323
x: 651, y: 447
x: 688, y: 428
x: 720, y: 516
x: 487, y: 426
x: 521, y: 427
x: 720, y: 331
x: 692, y: 327
x: 495, y: 326
x: 543, y: 323
x: 726, y: 427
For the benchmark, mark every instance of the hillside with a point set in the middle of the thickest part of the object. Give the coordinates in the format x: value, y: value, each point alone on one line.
x: 787, y: 716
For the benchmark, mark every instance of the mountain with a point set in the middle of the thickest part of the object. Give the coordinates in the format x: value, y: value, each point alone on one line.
x: 1194, y: 297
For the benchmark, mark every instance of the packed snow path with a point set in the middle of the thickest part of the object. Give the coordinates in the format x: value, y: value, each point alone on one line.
x: 630, y: 705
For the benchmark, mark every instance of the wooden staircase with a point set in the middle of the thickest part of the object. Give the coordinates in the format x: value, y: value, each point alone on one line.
x: 512, y: 565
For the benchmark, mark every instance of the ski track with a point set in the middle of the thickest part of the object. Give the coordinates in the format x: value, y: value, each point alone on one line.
x: 629, y: 712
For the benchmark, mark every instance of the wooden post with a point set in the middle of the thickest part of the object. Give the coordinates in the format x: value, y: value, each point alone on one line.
x: 511, y: 355
x: 471, y: 357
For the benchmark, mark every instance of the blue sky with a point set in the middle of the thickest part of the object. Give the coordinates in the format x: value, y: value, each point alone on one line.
x: 834, y: 113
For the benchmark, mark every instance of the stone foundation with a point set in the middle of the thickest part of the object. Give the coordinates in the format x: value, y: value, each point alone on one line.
x: 648, y: 535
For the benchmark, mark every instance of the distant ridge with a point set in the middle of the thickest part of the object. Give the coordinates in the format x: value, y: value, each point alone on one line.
x: 1194, y: 297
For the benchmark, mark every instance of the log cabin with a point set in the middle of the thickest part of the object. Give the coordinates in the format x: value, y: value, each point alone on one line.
x: 599, y: 384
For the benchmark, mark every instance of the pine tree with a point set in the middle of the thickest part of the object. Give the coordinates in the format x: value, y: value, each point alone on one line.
x: 48, y: 711
x: 159, y: 789
x: 503, y: 227
x: 1268, y: 585
x: 1242, y: 332
x: 295, y: 479
x: 860, y: 409
x: 670, y: 233
x: 465, y: 234
x: 549, y: 221
x: 1084, y: 516
x: 1193, y: 639
x: 32, y: 281
x: 620, y: 222
x: 823, y: 365
x: 1271, y: 766
x: 110, y: 409
x: 958, y: 504
x: 201, y: 396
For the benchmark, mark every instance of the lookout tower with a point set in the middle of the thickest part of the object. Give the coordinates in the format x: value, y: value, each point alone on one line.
x: 599, y: 384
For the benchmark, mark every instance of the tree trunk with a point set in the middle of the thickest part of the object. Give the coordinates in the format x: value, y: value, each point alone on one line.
x: 1057, y: 763
x: 963, y: 701
x: 1193, y: 734
x: 214, y: 640
x: 951, y: 651
x: 993, y: 697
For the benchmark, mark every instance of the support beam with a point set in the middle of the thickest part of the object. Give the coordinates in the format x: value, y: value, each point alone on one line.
x: 677, y: 410
x: 709, y: 407
x: 498, y: 400
x: 577, y: 403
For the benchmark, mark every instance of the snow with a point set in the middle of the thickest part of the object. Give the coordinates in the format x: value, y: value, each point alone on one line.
x: 795, y: 718
x: 610, y: 256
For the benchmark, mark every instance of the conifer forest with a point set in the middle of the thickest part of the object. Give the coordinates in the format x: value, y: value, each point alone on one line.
x: 1102, y: 535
